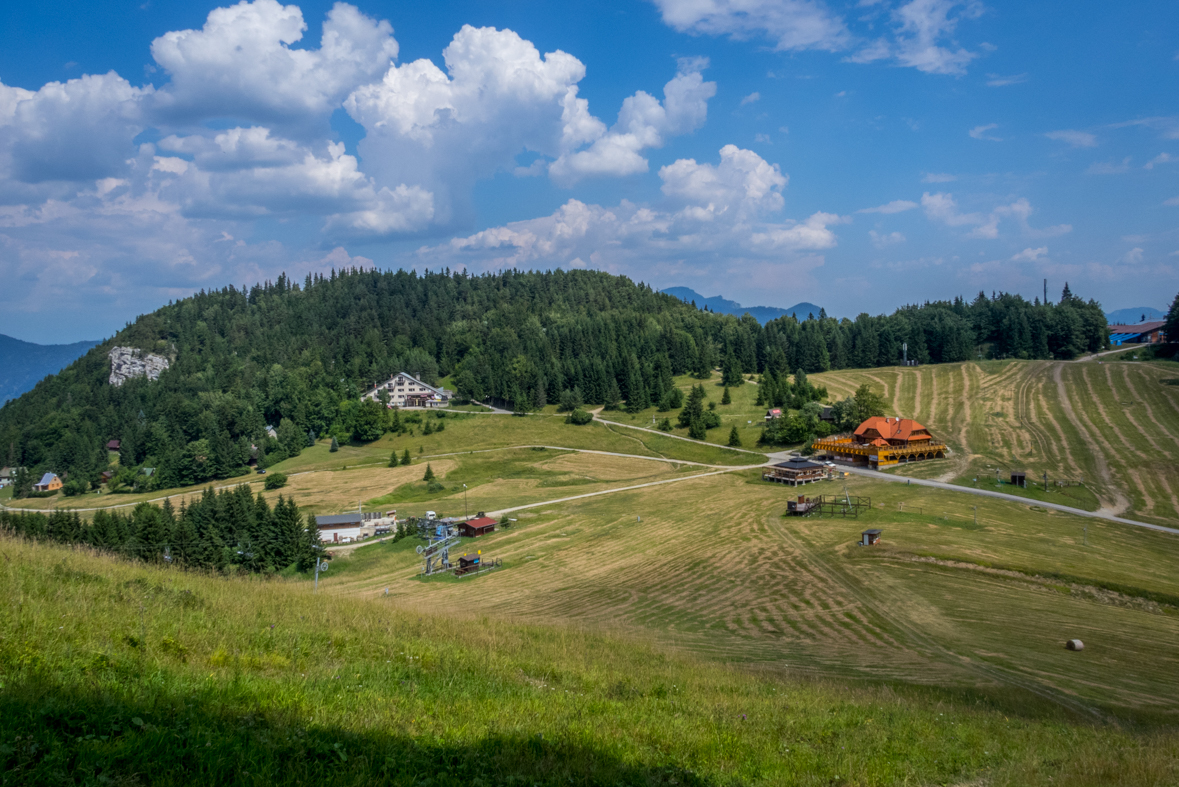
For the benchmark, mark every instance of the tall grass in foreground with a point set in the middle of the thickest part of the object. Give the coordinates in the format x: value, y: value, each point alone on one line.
x: 112, y: 673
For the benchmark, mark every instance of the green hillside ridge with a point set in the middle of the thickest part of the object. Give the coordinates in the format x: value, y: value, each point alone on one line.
x: 123, y: 674
x: 297, y: 357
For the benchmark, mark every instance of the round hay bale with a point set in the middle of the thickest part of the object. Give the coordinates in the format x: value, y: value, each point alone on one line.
x: 1075, y: 644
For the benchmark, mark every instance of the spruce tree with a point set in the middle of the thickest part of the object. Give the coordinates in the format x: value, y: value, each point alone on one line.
x: 696, y: 429
x: 335, y: 446
x: 393, y: 461
x: 185, y: 540
x: 734, y: 437
x: 429, y: 476
x: 613, y: 395
x: 726, y: 398
x: 405, y: 459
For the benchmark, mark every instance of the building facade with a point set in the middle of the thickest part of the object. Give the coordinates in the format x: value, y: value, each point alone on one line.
x: 407, y: 391
x: 881, y: 442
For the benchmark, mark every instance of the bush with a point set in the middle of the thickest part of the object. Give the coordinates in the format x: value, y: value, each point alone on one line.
x: 275, y: 481
x: 579, y: 417
x: 711, y: 419
x: 665, y: 425
x: 73, y: 488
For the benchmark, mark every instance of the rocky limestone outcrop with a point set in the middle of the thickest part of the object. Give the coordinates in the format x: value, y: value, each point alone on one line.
x: 128, y: 363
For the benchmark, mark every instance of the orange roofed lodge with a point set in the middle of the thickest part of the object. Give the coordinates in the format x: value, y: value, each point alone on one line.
x: 881, y: 442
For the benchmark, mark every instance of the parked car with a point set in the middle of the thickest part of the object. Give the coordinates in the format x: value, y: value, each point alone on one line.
x: 261, y: 471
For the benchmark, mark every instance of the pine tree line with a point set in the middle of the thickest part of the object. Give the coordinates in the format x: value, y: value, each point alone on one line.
x: 222, y: 531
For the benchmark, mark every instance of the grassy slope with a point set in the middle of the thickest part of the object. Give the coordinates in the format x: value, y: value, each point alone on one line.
x: 113, y: 673
x: 715, y: 570
x: 368, y: 478
x: 1110, y: 425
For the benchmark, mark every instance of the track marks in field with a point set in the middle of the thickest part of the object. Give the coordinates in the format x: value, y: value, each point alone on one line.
x: 1112, y: 500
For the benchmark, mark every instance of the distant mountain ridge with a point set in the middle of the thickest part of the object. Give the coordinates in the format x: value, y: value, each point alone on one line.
x: 24, y: 364
x: 1134, y: 315
x: 762, y: 314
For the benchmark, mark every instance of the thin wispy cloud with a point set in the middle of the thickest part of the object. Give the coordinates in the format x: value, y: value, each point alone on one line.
x: 751, y: 98
x: 896, y: 206
x: 1162, y: 158
x: 938, y: 177
x: 1077, y: 139
x: 1109, y: 167
x: 995, y: 80
x: 981, y: 132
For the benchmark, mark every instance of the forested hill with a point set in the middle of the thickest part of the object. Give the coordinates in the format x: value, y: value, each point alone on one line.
x: 298, y: 357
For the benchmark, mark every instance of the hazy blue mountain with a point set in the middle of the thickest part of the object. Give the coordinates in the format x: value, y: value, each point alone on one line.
x: 24, y: 364
x: 1134, y: 315
x: 762, y: 314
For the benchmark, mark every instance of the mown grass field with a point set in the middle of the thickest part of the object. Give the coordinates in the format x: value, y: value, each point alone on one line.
x: 112, y: 673
x: 1112, y: 426
x: 714, y: 569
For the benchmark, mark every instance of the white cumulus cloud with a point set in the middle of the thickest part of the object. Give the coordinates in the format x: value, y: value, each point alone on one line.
x: 713, y: 212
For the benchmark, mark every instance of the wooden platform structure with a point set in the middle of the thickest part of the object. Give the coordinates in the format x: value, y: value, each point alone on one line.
x: 800, y: 507
x: 882, y: 442
x: 844, y: 505
x: 797, y: 470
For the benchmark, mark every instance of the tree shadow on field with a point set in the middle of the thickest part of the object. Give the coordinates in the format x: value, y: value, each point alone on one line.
x: 51, y: 735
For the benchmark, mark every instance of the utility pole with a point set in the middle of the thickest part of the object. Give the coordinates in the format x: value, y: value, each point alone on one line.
x: 976, y: 515
x: 320, y: 565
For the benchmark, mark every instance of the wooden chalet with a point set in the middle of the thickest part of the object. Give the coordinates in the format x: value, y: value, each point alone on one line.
x: 880, y: 442
x: 113, y: 445
x: 479, y: 526
x: 48, y: 483
x: 798, y: 470
x: 468, y: 563
x: 870, y: 538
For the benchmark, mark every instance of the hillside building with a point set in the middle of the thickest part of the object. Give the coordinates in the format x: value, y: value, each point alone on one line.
x: 355, y: 526
x: 797, y: 470
x: 880, y: 442
x: 48, y: 483
x: 1143, y: 333
x: 407, y: 391
x: 479, y: 526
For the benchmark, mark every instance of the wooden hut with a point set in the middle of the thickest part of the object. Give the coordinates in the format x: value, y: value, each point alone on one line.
x: 1019, y: 478
x: 479, y: 526
x: 870, y: 538
x: 468, y: 564
x: 801, y: 506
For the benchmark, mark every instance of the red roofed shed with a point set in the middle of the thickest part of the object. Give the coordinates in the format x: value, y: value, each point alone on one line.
x: 479, y: 526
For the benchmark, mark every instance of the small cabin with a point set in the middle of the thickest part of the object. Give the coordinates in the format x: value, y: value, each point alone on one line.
x: 48, y: 483
x: 773, y: 413
x: 113, y: 445
x: 801, y: 506
x: 479, y: 526
x: 1019, y: 478
x: 468, y: 564
x: 870, y: 538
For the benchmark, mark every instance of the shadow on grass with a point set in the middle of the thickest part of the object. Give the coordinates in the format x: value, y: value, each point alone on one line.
x: 50, y: 734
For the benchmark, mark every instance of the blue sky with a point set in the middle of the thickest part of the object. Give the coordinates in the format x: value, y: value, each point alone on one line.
x: 857, y: 155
